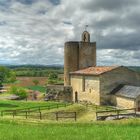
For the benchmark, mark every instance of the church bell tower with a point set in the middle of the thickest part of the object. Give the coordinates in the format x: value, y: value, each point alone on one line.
x: 78, y: 55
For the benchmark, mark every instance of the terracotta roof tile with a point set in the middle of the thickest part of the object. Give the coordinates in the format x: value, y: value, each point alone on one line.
x: 95, y: 70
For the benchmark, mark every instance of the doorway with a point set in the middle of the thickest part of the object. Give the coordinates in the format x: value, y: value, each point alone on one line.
x: 76, y: 97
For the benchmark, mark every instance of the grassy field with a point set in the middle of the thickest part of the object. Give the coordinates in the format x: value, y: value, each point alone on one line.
x: 6, y: 105
x: 38, y: 88
x: 85, y: 128
x: 28, y: 81
x: 14, y: 130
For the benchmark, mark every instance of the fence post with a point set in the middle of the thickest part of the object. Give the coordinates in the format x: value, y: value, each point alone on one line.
x: 26, y: 114
x: 56, y: 116
x: 13, y: 113
x: 39, y: 109
x: 75, y: 116
x: 40, y: 115
x: 28, y: 110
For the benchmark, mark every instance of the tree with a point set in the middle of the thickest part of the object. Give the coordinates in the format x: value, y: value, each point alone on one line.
x: 19, y: 91
x: 52, y: 78
x: 12, y: 77
x: 7, y: 75
x: 4, y: 74
x: 52, y: 75
x: 36, y: 82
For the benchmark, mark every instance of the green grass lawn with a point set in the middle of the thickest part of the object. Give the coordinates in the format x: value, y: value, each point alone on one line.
x: 85, y: 128
x: 8, y: 105
x: 12, y: 130
x: 38, y: 88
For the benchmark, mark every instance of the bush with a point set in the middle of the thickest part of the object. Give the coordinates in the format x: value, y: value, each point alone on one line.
x: 19, y: 91
x: 35, y: 81
x: 7, y: 75
x: 53, y: 79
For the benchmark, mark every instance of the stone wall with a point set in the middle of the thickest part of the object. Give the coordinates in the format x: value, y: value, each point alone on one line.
x: 71, y: 61
x: 59, y: 92
x: 87, y: 54
x: 112, y: 79
x: 87, y: 88
x: 125, y: 102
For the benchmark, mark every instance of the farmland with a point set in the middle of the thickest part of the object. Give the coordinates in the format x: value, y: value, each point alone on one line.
x: 28, y: 81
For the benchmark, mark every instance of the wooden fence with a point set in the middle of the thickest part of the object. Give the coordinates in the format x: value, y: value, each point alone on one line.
x: 27, y: 112
x: 66, y: 115
x: 116, y: 113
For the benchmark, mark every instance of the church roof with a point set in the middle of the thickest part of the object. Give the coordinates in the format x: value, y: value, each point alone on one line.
x: 95, y: 70
x: 129, y: 92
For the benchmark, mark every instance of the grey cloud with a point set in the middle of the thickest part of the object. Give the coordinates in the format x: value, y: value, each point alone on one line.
x: 120, y: 41
x: 109, y: 5
x: 34, y: 32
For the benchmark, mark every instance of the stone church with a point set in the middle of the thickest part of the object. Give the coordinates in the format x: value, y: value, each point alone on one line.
x: 101, y: 85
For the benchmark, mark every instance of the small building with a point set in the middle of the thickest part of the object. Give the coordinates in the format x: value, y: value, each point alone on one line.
x: 99, y: 84
x: 128, y: 97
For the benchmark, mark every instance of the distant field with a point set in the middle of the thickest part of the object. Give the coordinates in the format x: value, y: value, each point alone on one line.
x: 13, y: 130
x: 28, y: 81
x: 38, y: 88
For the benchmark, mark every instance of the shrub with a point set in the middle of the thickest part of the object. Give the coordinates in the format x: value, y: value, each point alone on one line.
x: 54, y: 79
x: 19, y: 91
x: 22, y: 93
x: 35, y: 81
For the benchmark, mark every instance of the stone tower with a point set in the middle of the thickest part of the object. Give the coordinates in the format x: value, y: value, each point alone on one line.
x: 78, y: 55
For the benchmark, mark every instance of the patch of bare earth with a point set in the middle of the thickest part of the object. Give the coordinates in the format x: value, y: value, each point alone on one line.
x: 28, y: 81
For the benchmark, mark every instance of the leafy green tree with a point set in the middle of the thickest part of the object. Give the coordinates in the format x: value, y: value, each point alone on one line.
x: 6, y: 75
x: 52, y: 78
x: 52, y: 75
x: 12, y: 77
x: 36, y: 82
x: 19, y: 91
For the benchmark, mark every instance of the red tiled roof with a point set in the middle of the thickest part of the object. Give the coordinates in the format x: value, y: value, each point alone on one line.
x: 95, y: 70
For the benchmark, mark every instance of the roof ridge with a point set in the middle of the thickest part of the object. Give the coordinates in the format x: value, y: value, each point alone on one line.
x: 95, y: 70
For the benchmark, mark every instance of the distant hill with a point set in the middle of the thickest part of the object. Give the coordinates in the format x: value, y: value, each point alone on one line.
x: 34, y: 66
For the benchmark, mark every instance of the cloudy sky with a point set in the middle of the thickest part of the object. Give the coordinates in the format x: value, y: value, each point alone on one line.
x: 34, y: 31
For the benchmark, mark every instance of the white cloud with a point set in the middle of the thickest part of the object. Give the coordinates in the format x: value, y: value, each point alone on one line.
x: 35, y: 32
